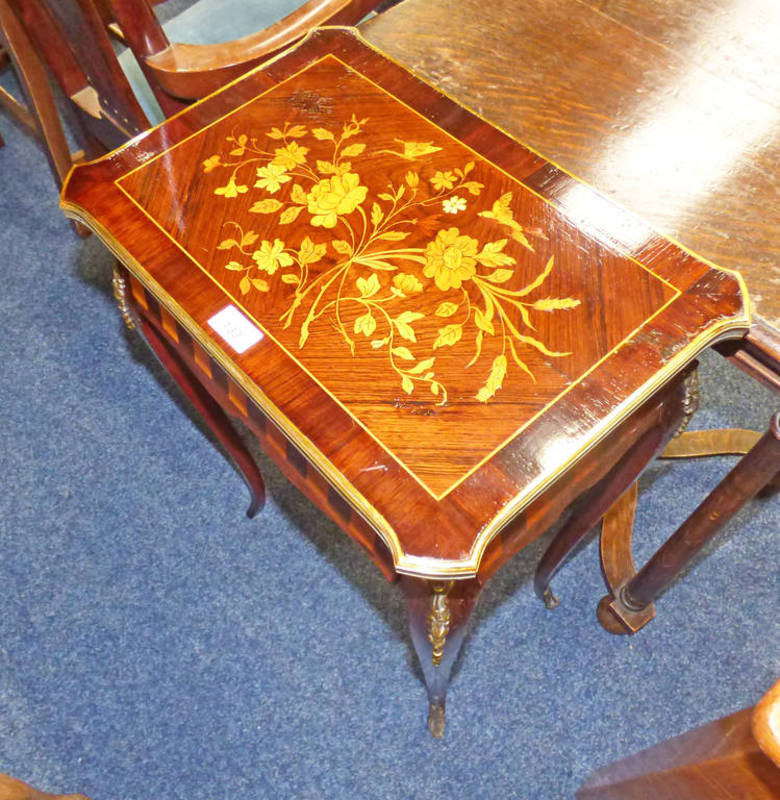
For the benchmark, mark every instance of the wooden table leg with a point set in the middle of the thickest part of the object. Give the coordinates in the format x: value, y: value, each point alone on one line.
x: 438, y: 616
x: 755, y: 471
x: 211, y: 412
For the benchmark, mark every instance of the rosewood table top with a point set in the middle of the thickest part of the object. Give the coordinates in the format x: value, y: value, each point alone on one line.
x: 441, y: 320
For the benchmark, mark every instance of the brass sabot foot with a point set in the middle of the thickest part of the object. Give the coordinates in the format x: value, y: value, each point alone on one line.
x: 550, y: 600
x: 437, y: 720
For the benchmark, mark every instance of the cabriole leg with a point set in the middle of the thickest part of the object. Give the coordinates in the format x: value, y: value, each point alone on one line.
x: 438, y: 615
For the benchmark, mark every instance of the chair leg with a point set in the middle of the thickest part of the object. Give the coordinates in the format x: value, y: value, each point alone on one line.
x: 597, y: 501
x: 755, y: 471
x: 211, y: 412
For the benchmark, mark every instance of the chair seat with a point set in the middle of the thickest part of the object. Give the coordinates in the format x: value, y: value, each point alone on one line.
x: 206, y: 22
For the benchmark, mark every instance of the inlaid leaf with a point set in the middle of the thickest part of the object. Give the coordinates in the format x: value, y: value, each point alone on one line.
x: 322, y: 134
x: 422, y: 366
x: 298, y: 195
x: 365, y: 324
x: 296, y: 131
x: 342, y: 246
x: 519, y: 236
x: 290, y: 215
x: 478, y: 350
x: 353, y: 150
x: 495, y: 379
x: 555, y: 303
x: 260, y: 284
x: 245, y: 285
x: 249, y: 238
x: 539, y: 279
x: 402, y: 321
x: 491, y: 255
x: 435, y: 388
x: 499, y: 276
x: 291, y: 278
x: 226, y: 244
x: 310, y: 252
x: 368, y: 287
x: 540, y: 346
x: 377, y: 343
x: 473, y: 187
x: 407, y: 383
x: 275, y: 133
x: 412, y: 179
x: 468, y: 168
x: 448, y: 336
x: 376, y: 214
x: 234, y: 266
x: 393, y: 236
x: 326, y: 167
x: 519, y: 361
x: 483, y: 323
x: 402, y: 352
x: 446, y: 309
x: 267, y: 206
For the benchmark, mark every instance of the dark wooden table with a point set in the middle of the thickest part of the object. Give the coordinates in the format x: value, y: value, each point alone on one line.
x: 442, y: 338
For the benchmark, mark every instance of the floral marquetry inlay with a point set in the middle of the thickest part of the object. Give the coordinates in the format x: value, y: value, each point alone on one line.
x: 307, y: 179
x: 417, y: 283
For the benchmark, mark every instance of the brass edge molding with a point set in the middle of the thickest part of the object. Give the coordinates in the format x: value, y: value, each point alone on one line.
x: 316, y: 458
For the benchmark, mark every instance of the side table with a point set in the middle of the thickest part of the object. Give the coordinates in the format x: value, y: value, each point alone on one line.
x: 402, y: 303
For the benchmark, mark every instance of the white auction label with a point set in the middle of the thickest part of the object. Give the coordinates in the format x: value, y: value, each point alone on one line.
x: 235, y: 329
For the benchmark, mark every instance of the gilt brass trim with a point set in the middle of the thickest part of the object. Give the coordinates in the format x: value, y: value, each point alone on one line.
x: 439, y: 621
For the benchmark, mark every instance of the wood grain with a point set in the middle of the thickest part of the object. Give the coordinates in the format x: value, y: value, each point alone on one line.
x: 669, y: 108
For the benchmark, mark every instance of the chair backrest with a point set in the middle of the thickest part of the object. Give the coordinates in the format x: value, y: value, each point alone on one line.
x: 182, y: 71
x: 72, y: 38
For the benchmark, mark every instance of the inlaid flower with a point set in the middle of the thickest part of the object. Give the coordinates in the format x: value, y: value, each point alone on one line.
x: 454, y: 204
x: 335, y: 196
x: 449, y: 259
x: 407, y: 283
x: 211, y: 163
x: 271, y: 177
x: 443, y: 180
x: 231, y: 189
x: 290, y: 155
x: 271, y: 256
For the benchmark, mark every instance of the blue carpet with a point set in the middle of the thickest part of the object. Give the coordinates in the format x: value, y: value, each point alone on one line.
x: 156, y: 643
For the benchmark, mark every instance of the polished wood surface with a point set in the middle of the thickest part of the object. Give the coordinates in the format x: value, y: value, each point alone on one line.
x: 450, y: 322
x: 14, y: 789
x: 766, y: 724
x: 718, y: 761
x: 669, y: 108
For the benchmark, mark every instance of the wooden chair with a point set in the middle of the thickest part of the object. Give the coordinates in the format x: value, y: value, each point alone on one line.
x: 734, y: 757
x: 224, y: 38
